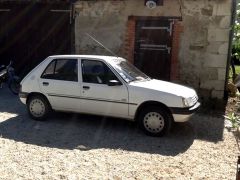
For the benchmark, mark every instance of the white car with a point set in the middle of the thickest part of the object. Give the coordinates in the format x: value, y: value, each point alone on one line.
x: 107, y: 86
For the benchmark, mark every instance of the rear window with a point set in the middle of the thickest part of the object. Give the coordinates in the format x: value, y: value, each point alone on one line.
x: 62, y: 69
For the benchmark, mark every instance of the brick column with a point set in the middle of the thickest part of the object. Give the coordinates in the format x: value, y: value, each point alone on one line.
x: 177, y: 30
x: 130, y: 40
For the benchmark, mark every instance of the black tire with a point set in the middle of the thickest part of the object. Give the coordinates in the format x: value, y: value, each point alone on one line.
x: 155, y: 121
x: 14, y: 86
x: 38, y: 108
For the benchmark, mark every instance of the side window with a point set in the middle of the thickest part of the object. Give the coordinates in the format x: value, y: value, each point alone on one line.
x: 49, y: 71
x: 96, y: 72
x: 62, y: 69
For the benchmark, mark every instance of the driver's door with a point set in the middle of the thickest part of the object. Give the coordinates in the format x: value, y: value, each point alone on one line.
x: 98, y: 96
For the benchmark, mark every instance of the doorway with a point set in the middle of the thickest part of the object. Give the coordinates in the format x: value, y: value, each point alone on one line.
x: 153, y: 45
x: 31, y: 31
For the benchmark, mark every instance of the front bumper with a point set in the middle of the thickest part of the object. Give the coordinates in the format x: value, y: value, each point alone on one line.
x: 184, y: 114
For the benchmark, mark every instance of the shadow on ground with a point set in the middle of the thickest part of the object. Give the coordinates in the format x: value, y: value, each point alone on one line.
x: 84, y: 132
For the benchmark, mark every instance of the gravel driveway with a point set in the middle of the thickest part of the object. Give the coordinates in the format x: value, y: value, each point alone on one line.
x: 71, y: 146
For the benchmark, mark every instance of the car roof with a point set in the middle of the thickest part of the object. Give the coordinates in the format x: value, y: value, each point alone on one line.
x: 90, y: 57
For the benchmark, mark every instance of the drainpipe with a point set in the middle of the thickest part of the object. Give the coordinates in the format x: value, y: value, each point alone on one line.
x: 234, y: 5
x: 72, y: 26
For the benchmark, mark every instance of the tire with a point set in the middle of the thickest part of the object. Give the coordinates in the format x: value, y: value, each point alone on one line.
x: 155, y: 121
x: 14, y: 86
x: 38, y: 108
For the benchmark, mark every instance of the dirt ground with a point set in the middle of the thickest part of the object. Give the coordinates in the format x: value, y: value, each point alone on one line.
x: 73, y: 146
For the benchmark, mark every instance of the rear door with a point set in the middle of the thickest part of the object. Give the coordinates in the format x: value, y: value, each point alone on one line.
x: 60, y: 82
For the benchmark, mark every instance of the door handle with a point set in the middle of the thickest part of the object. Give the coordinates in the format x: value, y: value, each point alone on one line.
x: 86, y: 87
x: 45, y: 83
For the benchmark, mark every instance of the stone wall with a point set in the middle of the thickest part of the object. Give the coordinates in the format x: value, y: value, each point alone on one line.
x: 107, y: 20
x: 203, y: 44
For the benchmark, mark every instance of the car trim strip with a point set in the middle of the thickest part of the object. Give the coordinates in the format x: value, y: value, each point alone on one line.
x: 93, y: 99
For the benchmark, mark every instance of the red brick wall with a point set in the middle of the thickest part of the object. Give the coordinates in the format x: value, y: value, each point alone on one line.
x: 177, y: 30
x: 130, y: 40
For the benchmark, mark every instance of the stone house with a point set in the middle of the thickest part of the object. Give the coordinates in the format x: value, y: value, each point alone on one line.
x: 184, y: 41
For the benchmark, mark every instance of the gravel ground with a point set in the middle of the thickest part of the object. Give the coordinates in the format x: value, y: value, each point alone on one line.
x: 71, y: 146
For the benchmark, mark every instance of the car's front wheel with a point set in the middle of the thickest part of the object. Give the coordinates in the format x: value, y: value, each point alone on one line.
x: 155, y: 121
x: 38, y: 107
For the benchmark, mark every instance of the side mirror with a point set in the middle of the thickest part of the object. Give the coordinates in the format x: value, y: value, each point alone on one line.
x: 114, y: 83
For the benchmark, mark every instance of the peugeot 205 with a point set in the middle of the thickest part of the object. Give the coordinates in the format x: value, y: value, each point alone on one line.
x: 106, y: 86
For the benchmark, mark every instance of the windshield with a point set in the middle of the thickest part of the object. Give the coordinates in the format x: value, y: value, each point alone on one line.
x: 129, y: 72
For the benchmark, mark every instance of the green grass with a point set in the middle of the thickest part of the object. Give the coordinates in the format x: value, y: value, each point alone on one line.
x: 237, y: 68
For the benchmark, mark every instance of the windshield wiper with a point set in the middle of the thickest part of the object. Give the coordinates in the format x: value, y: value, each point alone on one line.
x: 144, y: 79
x: 132, y: 80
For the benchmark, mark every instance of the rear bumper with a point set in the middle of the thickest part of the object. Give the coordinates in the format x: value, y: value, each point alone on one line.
x: 23, y: 97
x: 184, y: 114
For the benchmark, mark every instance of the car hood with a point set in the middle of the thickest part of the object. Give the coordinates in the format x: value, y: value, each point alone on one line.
x: 166, y: 87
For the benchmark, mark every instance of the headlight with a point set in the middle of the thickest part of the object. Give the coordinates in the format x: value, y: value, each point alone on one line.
x: 188, y: 102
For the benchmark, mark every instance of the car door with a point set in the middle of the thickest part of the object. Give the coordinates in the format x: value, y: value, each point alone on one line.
x: 59, y: 82
x: 98, y: 96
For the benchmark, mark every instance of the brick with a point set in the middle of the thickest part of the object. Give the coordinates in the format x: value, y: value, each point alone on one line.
x: 130, y: 40
x: 207, y: 11
x: 221, y: 74
x: 215, y: 60
x: 209, y: 74
x: 225, y: 22
x: 177, y: 30
x: 213, y: 84
x: 223, y: 8
x: 218, y: 35
x: 217, y: 94
x: 213, y: 47
x: 223, y: 49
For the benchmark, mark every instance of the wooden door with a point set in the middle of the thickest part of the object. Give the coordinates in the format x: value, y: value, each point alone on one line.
x: 31, y: 31
x: 153, y: 48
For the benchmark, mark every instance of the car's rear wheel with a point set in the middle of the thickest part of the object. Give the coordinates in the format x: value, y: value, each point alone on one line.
x: 155, y: 121
x: 38, y: 107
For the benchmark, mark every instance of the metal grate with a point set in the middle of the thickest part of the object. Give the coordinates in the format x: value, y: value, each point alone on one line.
x: 195, y: 99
